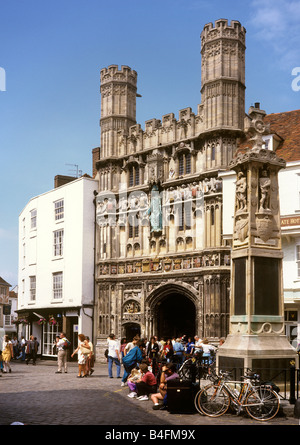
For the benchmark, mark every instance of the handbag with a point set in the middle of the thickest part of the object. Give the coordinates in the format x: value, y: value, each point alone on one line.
x: 84, y: 350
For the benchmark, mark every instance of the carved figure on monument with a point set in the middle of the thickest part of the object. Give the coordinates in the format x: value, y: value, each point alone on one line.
x: 241, y: 227
x: 265, y: 185
x: 241, y: 189
x: 123, y: 204
x: 155, y: 211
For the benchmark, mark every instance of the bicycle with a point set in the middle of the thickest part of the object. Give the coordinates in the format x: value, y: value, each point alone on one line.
x: 197, y: 367
x: 258, y: 400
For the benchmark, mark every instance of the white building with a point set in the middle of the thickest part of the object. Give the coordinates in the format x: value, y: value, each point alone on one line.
x: 56, y: 263
x: 284, y: 137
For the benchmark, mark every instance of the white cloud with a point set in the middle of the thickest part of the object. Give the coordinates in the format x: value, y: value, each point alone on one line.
x: 277, y: 24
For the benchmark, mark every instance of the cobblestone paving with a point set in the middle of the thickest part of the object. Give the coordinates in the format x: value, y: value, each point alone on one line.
x: 35, y: 395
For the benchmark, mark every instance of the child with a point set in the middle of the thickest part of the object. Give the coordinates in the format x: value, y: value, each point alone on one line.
x: 146, y: 384
x: 134, y: 376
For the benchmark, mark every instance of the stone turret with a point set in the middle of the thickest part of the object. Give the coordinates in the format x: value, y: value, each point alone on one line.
x: 223, y: 75
x: 118, y: 106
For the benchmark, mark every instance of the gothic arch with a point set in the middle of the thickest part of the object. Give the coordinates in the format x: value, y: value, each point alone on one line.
x: 172, y: 307
x: 171, y: 286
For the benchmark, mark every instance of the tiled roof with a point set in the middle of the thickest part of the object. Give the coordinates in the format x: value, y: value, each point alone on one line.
x: 4, y: 282
x: 287, y: 126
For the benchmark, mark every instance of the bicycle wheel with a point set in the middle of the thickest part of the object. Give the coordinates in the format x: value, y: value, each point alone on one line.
x: 212, y: 401
x: 265, y: 403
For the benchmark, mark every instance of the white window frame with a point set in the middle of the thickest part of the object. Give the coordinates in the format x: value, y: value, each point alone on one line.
x: 58, y: 242
x: 32, y: 289
x: 57, y: 286
x: 33, y: 218
x: 49, y: 334
x: 59, y: 210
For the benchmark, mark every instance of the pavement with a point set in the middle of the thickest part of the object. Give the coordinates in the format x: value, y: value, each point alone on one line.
x: 36, y: 395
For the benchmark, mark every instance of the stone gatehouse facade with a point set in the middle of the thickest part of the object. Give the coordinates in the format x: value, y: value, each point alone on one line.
x: 162, y: 266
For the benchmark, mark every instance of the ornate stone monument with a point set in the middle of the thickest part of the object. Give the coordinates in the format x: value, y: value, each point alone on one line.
x: 257, y: 338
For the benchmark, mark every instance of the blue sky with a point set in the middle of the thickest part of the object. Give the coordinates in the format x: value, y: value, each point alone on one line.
x: 52, y: 53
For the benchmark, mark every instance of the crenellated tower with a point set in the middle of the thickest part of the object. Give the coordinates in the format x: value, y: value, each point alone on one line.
x: 223, y: 75
x: 118, y: 90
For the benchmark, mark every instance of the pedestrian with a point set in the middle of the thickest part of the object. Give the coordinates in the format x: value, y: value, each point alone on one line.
x: 83, y: 349
x: 208, y: 351
x: 135, y: 375
x: 198, y: 346
x: 23, y: 349
x: 178, y: 352
x: 131, y: 344
x: 113, y: 355
x: 123, y: 346
x: 146, y: 384
x: 90, y: 361
x: 32, y: 347
x: 167, y: 353
x: 7, y: 353
x: 61, y: 353
x: 131, y: 359
x: 15, y: 345
x: 221, y: 341
x: 190, y: 346
x: 1, y: 363
x: 168, y: 373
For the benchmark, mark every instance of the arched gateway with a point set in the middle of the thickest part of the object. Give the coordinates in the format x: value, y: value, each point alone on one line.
x: 172, y: 310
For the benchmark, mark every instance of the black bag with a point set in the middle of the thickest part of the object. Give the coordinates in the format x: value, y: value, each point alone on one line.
x: 181, y: 395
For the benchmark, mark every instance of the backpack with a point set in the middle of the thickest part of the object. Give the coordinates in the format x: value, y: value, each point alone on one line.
x: 134, y: 356
x: 66, y: 344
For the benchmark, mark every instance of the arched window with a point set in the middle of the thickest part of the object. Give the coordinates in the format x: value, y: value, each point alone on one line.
x: 184, y: 164
x: 134, y: 175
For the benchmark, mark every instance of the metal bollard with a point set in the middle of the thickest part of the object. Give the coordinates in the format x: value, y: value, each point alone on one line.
x: 297, y: 410
x: 292, y: 382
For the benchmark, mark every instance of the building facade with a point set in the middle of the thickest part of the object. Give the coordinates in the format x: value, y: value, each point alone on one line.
x: 56, y: 264
x: 162, y: 265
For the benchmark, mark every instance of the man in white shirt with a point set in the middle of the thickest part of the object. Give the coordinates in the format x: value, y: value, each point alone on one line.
x: 61, y: 354
x: 198, y: 344
x: 113, y: 355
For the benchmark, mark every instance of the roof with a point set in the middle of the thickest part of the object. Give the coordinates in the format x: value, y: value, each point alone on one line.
x: 3, y: 282
x: 286, y: 125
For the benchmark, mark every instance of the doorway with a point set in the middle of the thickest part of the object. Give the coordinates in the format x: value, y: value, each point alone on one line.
x: 131, y: 330
x: 176, y: 316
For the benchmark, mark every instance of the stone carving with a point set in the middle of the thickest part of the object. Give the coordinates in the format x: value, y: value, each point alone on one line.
x: 241, y: 227
x: 155, y: 210
x: 241, y: 192
x: 132, y: 307
x: 264, y: 224
x: 264, y: 185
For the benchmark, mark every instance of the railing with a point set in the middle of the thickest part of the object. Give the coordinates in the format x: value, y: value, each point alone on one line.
x: 287, y: 380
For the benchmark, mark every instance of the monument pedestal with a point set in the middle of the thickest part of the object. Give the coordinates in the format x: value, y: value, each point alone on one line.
x: 256, y: 338
x: 263, y: 353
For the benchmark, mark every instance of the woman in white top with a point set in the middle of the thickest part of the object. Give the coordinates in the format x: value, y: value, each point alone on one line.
x: 7, y: 353
x: 83, y: 351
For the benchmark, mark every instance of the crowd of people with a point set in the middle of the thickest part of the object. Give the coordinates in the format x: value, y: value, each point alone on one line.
x: 149, y: 365
x: 27, y: 351
x: 13, y: 349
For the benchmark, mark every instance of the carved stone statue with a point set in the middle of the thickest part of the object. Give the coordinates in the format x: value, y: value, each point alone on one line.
x: 241, y: 188
x: 155, y: 210
x: 265, y: 185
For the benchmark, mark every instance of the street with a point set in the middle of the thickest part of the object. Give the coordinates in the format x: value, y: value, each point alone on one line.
x: 35, y: 395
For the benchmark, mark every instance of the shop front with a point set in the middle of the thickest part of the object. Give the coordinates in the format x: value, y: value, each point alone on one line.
x: 46, y: 325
